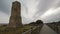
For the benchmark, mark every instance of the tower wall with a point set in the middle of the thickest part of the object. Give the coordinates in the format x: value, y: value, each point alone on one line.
x: 15, y: 18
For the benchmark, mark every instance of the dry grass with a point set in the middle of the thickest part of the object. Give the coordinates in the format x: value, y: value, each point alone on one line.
x: 20, y: 30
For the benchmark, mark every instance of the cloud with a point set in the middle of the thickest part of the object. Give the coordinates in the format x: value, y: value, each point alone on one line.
x: 5, y: 6
x: 44, y: 5
x: 4, y: 18
x: 33, y: 10
x: 51, y: 15
x: 29, y: 9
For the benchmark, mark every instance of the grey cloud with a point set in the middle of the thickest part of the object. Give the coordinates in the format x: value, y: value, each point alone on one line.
x: 5, y: 6
x: 58, y: 4
x: 42, y: 7
x: 53, y: 17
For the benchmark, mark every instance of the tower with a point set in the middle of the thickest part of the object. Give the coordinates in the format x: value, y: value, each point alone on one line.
x: 15, y: 18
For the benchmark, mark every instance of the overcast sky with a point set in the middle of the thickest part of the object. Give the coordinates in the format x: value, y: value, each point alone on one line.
x: 32, y: 10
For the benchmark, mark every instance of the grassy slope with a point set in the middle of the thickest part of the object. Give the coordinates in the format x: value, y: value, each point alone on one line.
x: 4, y: 30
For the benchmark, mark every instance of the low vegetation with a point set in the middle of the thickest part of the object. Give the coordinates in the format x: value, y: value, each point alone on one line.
x: 19, y: 30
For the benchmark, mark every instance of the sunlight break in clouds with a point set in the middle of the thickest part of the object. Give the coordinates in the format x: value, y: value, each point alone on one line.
x: 50, y: 12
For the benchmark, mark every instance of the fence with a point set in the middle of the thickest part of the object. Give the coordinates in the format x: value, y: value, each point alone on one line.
x: 34, y: 30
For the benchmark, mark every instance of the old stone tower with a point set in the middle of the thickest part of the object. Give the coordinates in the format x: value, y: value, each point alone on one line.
x: 15, y: 18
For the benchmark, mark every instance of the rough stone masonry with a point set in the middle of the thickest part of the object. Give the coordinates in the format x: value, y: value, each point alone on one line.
x: 15, y: 18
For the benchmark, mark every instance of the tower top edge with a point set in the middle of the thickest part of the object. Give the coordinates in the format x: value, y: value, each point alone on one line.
x: 16, y: 2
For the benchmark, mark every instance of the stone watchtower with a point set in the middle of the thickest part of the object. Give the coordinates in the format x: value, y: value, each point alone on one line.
x: 15, y: 18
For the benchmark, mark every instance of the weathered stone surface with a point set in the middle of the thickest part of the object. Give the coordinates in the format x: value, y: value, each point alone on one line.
x: 15, y: 18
